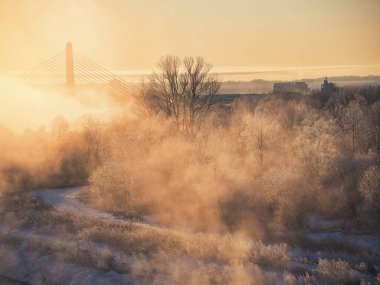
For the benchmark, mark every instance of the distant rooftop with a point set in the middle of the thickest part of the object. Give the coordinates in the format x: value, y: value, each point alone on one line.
x: 290, y: 87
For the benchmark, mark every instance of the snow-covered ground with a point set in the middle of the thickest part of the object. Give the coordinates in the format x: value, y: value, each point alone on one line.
x: 19, y: 261
x: 32, y: 268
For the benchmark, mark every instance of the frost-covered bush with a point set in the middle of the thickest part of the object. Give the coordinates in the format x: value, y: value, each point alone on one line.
x: 337, y: 271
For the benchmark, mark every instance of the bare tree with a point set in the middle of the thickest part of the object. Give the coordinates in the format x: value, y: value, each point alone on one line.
x: 182, y: 89
x: 163, y: 92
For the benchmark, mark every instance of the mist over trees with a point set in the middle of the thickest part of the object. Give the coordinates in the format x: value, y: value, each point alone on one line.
x: 232, y: 194
x: 277, y: 163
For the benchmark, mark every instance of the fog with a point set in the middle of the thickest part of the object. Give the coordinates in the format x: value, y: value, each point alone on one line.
x: 155, y: 149
x: 46, y: 132
x: 236, y: 194
x: 242, y: 173
x: 25, y: 107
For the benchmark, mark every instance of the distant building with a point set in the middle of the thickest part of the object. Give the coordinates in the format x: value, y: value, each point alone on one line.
x: 290, y: 87
x: 328, y: 87
x: 228, y: 99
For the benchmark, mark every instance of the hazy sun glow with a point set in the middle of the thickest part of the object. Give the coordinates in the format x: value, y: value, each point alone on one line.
x: 133, y: 35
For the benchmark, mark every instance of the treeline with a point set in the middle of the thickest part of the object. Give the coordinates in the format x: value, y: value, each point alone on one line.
x: 278, y: 163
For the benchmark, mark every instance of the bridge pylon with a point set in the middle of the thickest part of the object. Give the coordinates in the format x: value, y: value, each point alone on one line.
x: 70, y: 81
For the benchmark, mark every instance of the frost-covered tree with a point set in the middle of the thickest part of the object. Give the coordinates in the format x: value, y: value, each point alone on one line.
x: 369, y: 188
x: 355, y: 125
x: 317, y: 147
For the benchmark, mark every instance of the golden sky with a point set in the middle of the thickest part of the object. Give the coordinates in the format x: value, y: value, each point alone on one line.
x: 134, y: 34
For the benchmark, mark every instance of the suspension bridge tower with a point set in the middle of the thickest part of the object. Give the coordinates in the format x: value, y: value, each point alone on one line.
x: 70, y: 82
x: 71, y: 71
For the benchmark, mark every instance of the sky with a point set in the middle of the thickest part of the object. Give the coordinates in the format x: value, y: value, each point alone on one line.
x: 232, y: 35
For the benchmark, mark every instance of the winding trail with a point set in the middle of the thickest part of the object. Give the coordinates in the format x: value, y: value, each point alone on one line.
x: 67, y: 199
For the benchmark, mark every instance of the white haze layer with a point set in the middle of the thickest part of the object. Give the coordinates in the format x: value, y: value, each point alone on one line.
x: 24, y: 107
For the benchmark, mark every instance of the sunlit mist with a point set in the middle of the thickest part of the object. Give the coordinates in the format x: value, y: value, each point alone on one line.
x: 189, y: 142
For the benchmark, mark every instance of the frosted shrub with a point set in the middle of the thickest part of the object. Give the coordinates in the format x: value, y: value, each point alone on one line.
x: 337, y: 271
x: 289, y: 278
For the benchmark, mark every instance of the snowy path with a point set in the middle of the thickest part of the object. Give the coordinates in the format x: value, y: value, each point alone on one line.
x: 68, y: 199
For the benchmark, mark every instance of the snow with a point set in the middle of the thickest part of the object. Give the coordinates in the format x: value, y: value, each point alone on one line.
x: 20, y: 263
x: 34, y: 269
x: 67, y: 199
